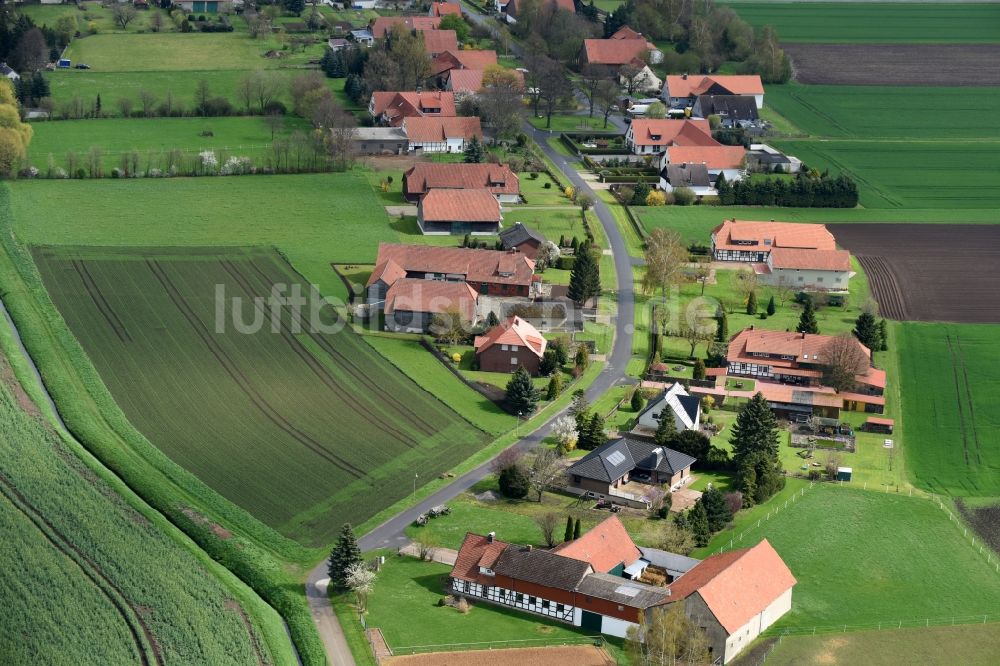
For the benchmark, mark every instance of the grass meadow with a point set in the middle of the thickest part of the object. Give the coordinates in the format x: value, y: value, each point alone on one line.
x: 345, y: 424
x: 237, y: 135
x: 950, y: 388
x: 77, y: 582
x: 863, y: 557
x: 876, y: 22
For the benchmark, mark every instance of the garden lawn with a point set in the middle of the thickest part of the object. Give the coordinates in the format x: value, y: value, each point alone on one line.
x: 335, y: 444
x: 850, y: 112
x: 240, y: 135
x: 536, y: 194
x: 404, y: 607
x: 949, y: 385
x: 568, y: 122
x: 173, y: 52
x: 863, y: 557
x: 970, y: 645
x: 875, y: 22
x: 314, y: 220
x: 695, y: 223
x: 101, y: 17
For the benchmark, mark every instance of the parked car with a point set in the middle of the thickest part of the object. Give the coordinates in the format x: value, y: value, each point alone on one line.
x: 82, y: 65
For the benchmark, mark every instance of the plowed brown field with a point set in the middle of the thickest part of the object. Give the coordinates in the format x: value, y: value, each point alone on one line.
x: 577, y: 655
x: 896, y: 64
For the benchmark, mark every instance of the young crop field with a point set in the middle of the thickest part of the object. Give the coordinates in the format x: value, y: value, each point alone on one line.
x: 949, y: 386
x: 303, y: 425
x: 863, y: 557
x: 877, y: 22
x: 893, y: 112
x: 77, y: 581
x: 175, y: 52
x: 241, y: 135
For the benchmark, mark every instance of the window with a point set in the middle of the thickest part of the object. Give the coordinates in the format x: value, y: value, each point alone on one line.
x: 519, y: 598
x: 503, y: 347
x: 545, y: 604
x: 513, y: 348
x: 800, y: 278
x: 819, y: 279
x: 532, y: 601
x: 559, y: 608
x: 513, y: 360
x: 465, y: 586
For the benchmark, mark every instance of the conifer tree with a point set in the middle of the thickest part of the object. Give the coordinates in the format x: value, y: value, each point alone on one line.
x: 576, y: 529
x: 585, y: 280
x: 492, y: 319
x: 771, y: 309
x: 722, y: 327
x: 344, y: 555
x: 883, y: 335
x: 698, y: 372
x: 568, y: 535
x: 521, y: 395
x: 807, y: 321
x: 555, y: 387
x: 638, y: 401
x: 866, y: 330
x: 698, y: 519
x: 474, y: 153
x: 716, y: 509
x: 666, y: 429
x: 752, y: 303
x: 755, y: 431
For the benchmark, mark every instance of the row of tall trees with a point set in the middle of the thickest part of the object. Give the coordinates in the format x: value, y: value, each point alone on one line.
x: 802, y: 191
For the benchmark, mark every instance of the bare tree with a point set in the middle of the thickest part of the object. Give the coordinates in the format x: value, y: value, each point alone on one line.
x: 665, y: 637
x: 744, y: 281
x: 606, y: 97
x: 123, y: 13
x: 666, y: 256
x: 628, y: 74
x: 500, y: 100
x: 125, y: 107
x: 590, y: 81
x: 545, y: 469
x: 675, y: 539
x: 701, y: 273
x: 449, y: 326
x: 694, y: 333
x: 548, y: 523
x: 156, y: 21
x: 275, y: 122
x: 556, y: 88
x: 843, y: 360
x: 148, y: 102
x: 783, y: 289
x: 506, y: 458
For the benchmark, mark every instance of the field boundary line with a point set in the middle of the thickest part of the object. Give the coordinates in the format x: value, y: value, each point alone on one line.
x: 884, y: 625
x: 984, y: 548
x: 496, y: 645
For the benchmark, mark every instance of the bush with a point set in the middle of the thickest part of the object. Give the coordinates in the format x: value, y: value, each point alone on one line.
x: 513, y: 482
x: 218, y: 106
x: 683, y: 196
x: 564, y: 263
x: 275, y: 107
x: 656, y: 198
x: 547, y: 186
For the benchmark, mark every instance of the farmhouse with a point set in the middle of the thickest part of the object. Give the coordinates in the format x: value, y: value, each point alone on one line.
x: 608, y: 469
x: 381, y: 26
x: 675, y: 403
x: 469, y: 59
x: 647, y: 136
x: 445, y: 8
x: 682, y: 90
x: 523, y: 239
x: 692, y: 176
x: 597, y: 582
x: 510, y: 345
x: 475, y: 212
x: 437, y: 42
x: 734, y: 596
x: 441, y: 135
x: 497, y: 178
x: 488, y: 272
x: 390, y: 108
x: 732, y: 110
x: 717, y: 159
x: 411, y: 304
x: 737, y: 240
x: 815, y: 270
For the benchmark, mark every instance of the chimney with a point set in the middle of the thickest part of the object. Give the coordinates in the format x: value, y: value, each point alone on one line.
x: 490, y: 537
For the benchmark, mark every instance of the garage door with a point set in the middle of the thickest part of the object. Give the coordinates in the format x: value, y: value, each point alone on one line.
x: 591, y: 622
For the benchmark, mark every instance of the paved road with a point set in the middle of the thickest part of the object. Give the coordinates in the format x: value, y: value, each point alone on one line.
x: 330, y: 632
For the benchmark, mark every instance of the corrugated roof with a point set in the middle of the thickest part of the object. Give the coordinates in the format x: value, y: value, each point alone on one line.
x: 621, y: 591
x: 673, y: 563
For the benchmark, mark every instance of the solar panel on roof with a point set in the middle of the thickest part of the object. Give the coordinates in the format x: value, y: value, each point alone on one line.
x: 616, y: 458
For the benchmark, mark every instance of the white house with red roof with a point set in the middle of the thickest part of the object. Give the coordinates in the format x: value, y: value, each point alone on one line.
x: 683, y: 89
x: 432, y: 134
x: 510, y: 345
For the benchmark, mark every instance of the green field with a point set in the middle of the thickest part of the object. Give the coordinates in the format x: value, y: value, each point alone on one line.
x: 886, y: 112
x: 970, y: 645
x: 304, y: 428
x: 863, y: 557
x: 951, y: 175
x: 949, y: 386
x: 77, y: 582
x: 177, y: 52
x: 239, y: 135
x: 874, y: 22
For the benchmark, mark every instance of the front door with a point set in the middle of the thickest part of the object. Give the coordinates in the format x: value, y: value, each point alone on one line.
x: 591, y: 622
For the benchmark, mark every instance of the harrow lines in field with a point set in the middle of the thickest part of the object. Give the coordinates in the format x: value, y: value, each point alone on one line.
x: 356, y: 372
x: 114, y: 321
x: 310, y: 361
x: 100, y: 580
x: 243, y: 382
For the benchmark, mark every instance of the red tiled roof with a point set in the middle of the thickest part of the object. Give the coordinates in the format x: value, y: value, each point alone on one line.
x: 660, y: 132
x: 433, y: 128
x: 439, y: 41
x: 446, y: 205
x: 779, y: 234
x: 433, y: 296
x: 875, y: 420
x: 514, y: 331
x: 424, y: 176
x: 874, y: 377
x: 626, y: 32
x: 475, y: 264
x: 713, y: 157
x: 387, y: 271
x: 614, y: 51
x: 803, y: 347
x: 476, y: 551
x: 454, y: 58
x: 399, y: 105
x: 383, y: 24
x: 446, y: 8
x: 736, y: 585
x: 692, y: 86
x: 816, y: 260
x: 465, y: 80
x: 605, y: 546
x: 863, y: 398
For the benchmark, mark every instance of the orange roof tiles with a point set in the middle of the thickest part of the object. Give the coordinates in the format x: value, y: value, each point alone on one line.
x: 659, y: 132
x: 514, y: 331
x: 444, y: 205
x: 465, y: 80
x: 476, y: 551
x: 446, y: 8
x: 435, y: 128
x: 605, y: 546
x: 424, y: 176
x: 626, y: 32
x: 383, y: 24
x: 439, y: 41
x: 399, y: 105
x: 713, y: 157
x: 475, y: 265
x: 454, y: 58
x: 816, y: 260
x: 876, y: 420
x: 769, y: 235
x: 874, y: 377
x: 802, y: 347
x: 737, y: 585
x: 694, y: 85
x: 433, y: 296
x: 614, y: 51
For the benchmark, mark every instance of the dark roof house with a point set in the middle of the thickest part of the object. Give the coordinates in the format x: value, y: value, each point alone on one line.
x: 613, y: 463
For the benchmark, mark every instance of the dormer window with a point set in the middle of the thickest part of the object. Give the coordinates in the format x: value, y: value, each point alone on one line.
x: 486, y: 571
